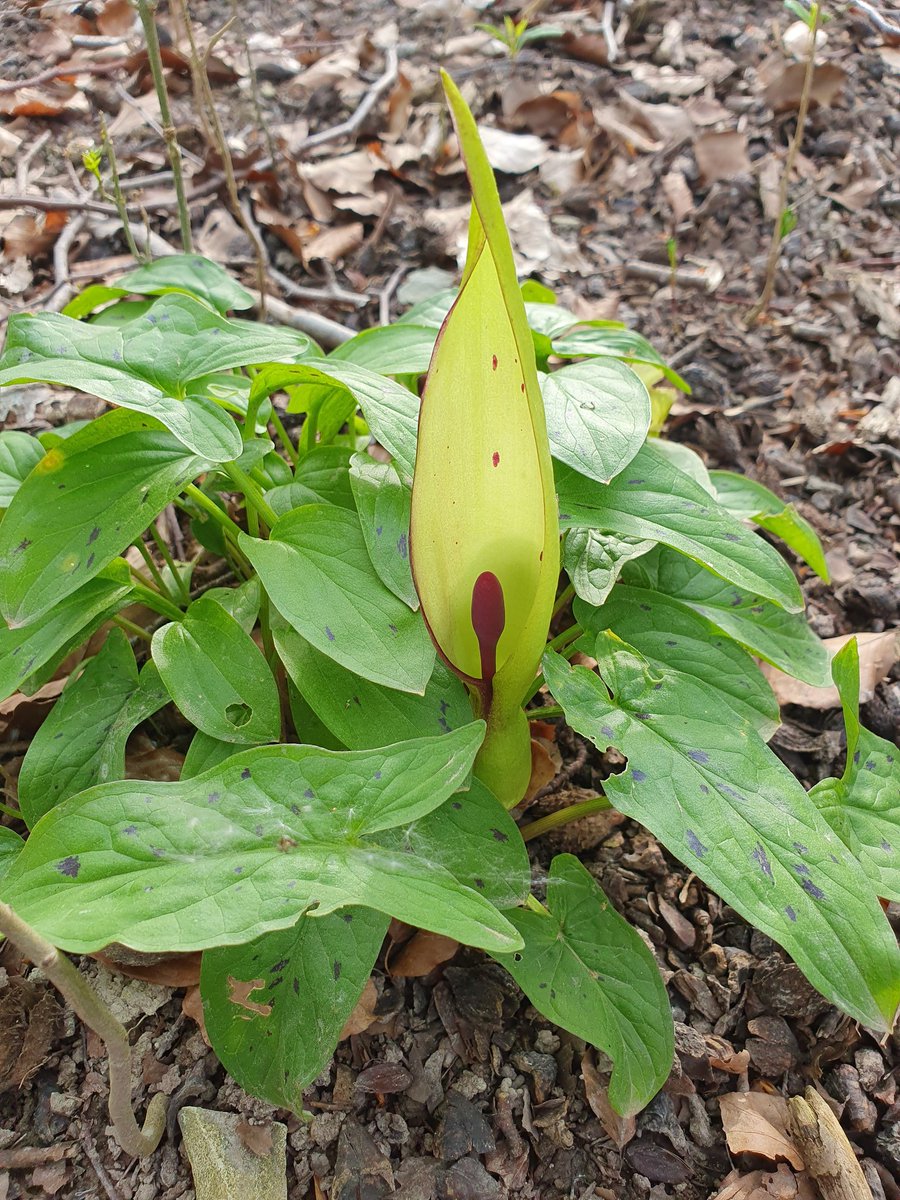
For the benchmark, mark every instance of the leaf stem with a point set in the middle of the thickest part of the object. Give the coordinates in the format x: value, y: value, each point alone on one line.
x: 132, y: 628
x: 541, y: 714
x: 563, y: 816
x: 81, y: 997
x: 562, y: 600
x: 10, y: 812
x: 154, y: 570
x: 284, y: 437
x: 164, y: 550
x: 563, y: 639
x: 230, y: 528
x: 158, y: 603
x: 535, y: 905
x: 252, y: 492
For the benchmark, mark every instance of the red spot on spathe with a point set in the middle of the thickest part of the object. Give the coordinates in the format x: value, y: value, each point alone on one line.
x: 494, y: 363
x: 495, y: 458
x: 522, y: 385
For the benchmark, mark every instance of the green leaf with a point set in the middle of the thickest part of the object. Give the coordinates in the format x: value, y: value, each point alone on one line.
x: 598, y: 414
x: 585, y: 968
x: 274, y: 1008
x: 10, y: 847
x: 746, y: 498
x: 322, y: 476
x: 383, y: 504
x: 361, y: 714
x: 594, y: 561
x: 25, y: 650
x: 652, y: 499
x: 241, y: 602
x: 316, y: 570
x: 391, y: 410
x: 403, y: 349
x: 687, y: 460
x: 147, y: 364
x: 863, y: 806
x: 253, y: 844
x: 82, y: 741
x: 19, y: 453
x: 191, y: 274
x: 431, y: 312
x: 670, y: 634
x: 110, y: 480
x: 607, y: 339
x: 218, y: 676
x: 719, y: 799
x: 781, y: 638
x: 91, y: 299
x: 206, y: 752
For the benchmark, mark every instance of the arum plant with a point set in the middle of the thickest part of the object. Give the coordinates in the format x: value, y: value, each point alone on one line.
x: 484, y: 534
x: 338, y: 771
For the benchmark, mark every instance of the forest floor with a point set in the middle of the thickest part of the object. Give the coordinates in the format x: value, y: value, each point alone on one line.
x: 456, y: 1087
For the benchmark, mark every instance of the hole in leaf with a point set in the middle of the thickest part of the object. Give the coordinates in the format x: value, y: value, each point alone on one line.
x: 238, y: 714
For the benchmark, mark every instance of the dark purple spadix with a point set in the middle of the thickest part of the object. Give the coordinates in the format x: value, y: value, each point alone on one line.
x: 488, y: 620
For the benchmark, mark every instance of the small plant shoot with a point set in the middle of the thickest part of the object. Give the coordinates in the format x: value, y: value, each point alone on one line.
x: 353, y: 686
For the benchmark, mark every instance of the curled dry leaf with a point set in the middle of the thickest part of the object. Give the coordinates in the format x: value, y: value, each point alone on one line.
x: 54, y: 100
x: 422, y: 953
x: 783, y: 91
x: 512, y: 153
x: 878, y: 652
x: 363, y: 1014
x: 27, y: 235
x: 545, y: 763
x: 678, y: 195
x: 596, y: 1088
x: 192, y: 1006
x: 333, y: 245
x: 758, y: 1123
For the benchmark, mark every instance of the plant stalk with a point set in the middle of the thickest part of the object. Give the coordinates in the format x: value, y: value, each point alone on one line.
x: 793, y: 150
x: 563, y: 816
x: 146, y: 10
x: 82, y: 998
x: 252, y: 492
x: 542, y: 714
x: 154, y: 570
x: 164, y: 550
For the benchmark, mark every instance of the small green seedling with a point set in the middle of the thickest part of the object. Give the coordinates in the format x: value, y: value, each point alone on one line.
x: 514, y: 36
x: 355, y: 722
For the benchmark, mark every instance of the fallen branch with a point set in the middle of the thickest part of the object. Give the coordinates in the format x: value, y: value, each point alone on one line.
x: 85, y: 1002
x: 823, y: 1144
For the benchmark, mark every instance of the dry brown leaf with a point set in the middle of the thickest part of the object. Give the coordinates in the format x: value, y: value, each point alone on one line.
x: 173, y: 970
x: 161, y: 763
x: 706, y: 110
x: 224, y: 241
x: 21, y: 716
x: 877, y: 654
x: 363, y: 1014
x: 669, y: 123
x: 612, y: 121
x: 783, y: 91
x: 334, y: 244
x: 49, y: 100
x: 722, y: 155
x: 29, y: 235
x: 348, y: 174
x: 50, y: 1178
x: 596, y: 1088
x: 666, y: 81
x: 255, y: 1138
x: 117, y: 18
x: 545, y: 763
x: 586, y: 47
x: 758, y: 1123
x: 562, y: 170
x: 399, y: 105
x: 512, y: 153
x: 678, y: 194
x: 422, y: 953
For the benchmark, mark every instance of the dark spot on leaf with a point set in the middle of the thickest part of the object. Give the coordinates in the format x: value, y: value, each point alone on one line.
x: 732, y: 537
x: 645, y: 608
x: 856, y: 758
x: 22, y: 546
x: 295, y: 809
x: 238, y: 870
x: 517, y: 956
x: 393, y: 629
x: 736, y: 600
x: 309, y: 794
x: 643, y: 716
x: 444, y: 724
x: 90, y: 562
x: 657, y: 687
x: 542, y: 985
x: 801, y: 868
x: 295, y: 984
x: 130, y: 830
x: 495, y: 458
x: 347, y: 917
x: 800, y: 848
x: 671, y: 642
x: 886, y: 846
x: 377, y: 775
x: 698, y: 756
x: 634, y: 482
x: 93, y: 535
x: 762, y: 860
x: 329, y: 634
x: 870, y: 765
x: 791, y: 915
x: 694, y: 844
x: 731, y: 793
x: 245, y: 774
x: 552, y: 993
x: 379, y: 530
x: 607, y: 732
x: 274, y: 984
x: 285, y: 843
x: 69, y: 866
x: 704, y: 789
x: 157, y: 852
x: 336, y: 971
x: 758, y: 608
x: 638, y: 776
x: 479, y: 883
x: 402, y: 548
x: 499, y: 835
x: 810, y: 887
x: 456, y: 804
